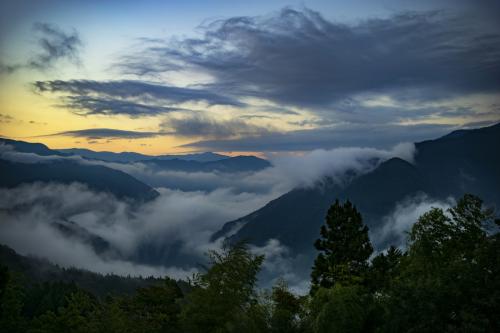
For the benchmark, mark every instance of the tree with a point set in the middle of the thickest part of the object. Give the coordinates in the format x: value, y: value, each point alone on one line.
x: 286, y: 309
x: 344, y: 248
x: 110, y: 317
x: 156, y: 308
x: 448, y: 281
x: 11, y: 302
x: 339, y: 309
x: 76, y: 316
x: 223, y: 297
x: 43, y: 297
x: 383, y: 269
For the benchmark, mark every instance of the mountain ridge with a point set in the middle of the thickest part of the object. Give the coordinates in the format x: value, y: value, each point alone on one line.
x: 96, y: 177
x: 448, y: 166
x: 124, y: 157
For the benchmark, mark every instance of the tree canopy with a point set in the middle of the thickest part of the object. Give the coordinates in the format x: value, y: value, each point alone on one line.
x: 445, y: 280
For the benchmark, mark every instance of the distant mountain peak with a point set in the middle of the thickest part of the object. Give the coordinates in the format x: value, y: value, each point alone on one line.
x: 125, y: 157
x: 28, y: 147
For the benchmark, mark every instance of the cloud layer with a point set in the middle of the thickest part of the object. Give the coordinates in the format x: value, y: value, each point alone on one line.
x: 287, y: 171
x: 381, y: 136
x: 183, y: 219
x: 170, y: 234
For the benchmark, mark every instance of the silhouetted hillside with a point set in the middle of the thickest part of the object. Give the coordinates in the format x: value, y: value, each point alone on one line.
x: 37, y: 270
x: 28, y: 147
x: 96, y: 177
x: 233, y: 164
x: 125, y: 157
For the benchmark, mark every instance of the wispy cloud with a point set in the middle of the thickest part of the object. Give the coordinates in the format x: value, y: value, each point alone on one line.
x: 106, y: 133
x: 87, y: 105
x: 54, y: 44
x: 199, y: 125
x: 395, y: 226
x: 135, y: 89
x: 5, y: 118
x: 128, y: 97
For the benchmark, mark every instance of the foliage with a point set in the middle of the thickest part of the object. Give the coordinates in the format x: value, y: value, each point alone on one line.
x: 385, y: 267
x: 449, y: 279
x: 74, y: 317
x: 11, y: 302
x: 446, y: 280
x: 286, y: 310
x: 223, y: 297
x: 338, y: 309
x: 344, y: 248
x: 41, y: 271
x: 155, y: 308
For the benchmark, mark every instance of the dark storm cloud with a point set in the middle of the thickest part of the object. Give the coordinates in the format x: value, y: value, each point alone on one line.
x: 381, y: 136
x: 355, y: 112
x: 139, y: 90
x: 55, y: 44
x: 300, y: 58
x: 201, y: 125
x: 106, y: 133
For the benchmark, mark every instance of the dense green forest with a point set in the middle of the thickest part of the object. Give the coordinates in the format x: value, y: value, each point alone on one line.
x: 446, y: 280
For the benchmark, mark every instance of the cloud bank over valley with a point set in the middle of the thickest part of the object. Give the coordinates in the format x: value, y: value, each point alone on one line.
x: 170, y: 234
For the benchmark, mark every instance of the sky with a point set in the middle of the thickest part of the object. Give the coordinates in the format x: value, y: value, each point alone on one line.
x: 236, y: 76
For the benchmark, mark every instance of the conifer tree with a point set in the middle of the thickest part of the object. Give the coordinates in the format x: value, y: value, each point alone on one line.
x: 344, y: 248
